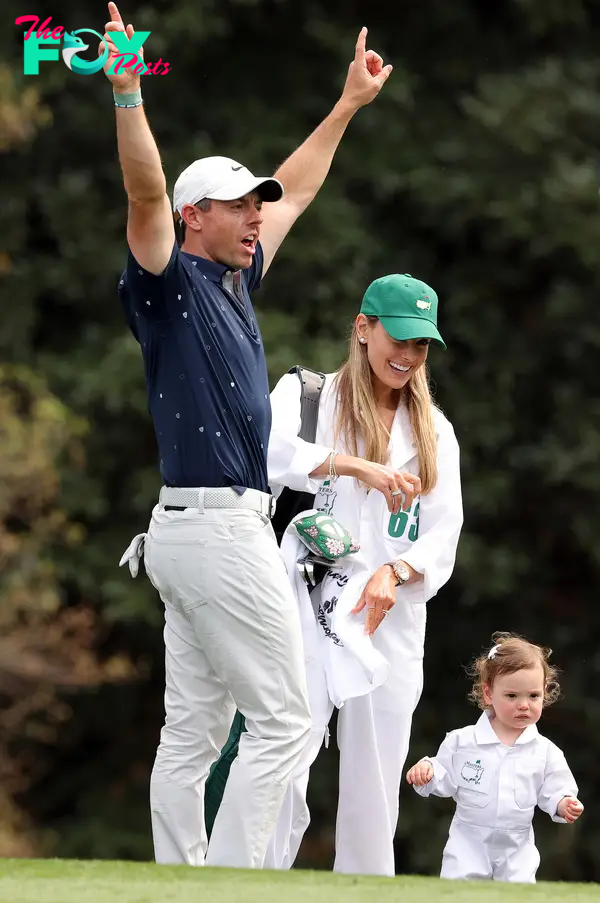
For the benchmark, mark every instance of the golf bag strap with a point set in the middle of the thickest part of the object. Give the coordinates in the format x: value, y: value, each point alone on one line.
x: 312, y: 383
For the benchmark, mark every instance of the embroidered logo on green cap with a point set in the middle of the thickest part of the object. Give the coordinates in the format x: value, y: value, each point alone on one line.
x: 406, y: 307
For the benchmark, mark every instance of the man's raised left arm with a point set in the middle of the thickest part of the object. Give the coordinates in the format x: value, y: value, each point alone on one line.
x: 304, y: 172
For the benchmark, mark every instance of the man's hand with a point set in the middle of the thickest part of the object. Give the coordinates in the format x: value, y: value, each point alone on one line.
x: 304, y: 172
x: 378, y: 596
x: 420, y: 774
x: 124, y: 81
x: 569, y: 808
x: 366, y: 76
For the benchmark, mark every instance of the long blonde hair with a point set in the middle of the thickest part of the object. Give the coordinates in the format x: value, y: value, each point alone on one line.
x: 357, y: 414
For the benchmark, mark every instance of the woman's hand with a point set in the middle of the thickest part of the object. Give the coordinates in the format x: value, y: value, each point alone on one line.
x: 378, y: 597
x: 420, y: 774
x: 399, y: 487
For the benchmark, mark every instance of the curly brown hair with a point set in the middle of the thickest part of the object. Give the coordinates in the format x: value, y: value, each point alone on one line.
x: 512, y: 653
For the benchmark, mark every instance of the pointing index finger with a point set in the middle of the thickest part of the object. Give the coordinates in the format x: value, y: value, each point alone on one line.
x: 115, y: 15
x: 359, y: 55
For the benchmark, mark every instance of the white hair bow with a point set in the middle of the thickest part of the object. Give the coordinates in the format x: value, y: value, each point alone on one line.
x: 493, y: 651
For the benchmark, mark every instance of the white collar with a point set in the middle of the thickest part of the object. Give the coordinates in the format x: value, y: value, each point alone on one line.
x: 485, y: 733
x: 402, y: 443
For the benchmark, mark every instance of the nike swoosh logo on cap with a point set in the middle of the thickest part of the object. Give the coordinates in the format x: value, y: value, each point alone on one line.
x: 235, y: 168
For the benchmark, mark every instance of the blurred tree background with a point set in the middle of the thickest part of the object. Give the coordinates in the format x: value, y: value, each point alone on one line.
x: 477, y: 170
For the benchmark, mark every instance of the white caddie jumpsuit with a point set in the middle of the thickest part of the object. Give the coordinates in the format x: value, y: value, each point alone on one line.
x: 374, y: 728
x: 497, y: 788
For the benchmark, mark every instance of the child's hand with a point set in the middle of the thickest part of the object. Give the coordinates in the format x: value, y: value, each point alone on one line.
x: 422, y: 773
x: 569, y: 808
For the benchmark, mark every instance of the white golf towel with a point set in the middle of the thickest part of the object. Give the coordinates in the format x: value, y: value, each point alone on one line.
x: 331, y: 633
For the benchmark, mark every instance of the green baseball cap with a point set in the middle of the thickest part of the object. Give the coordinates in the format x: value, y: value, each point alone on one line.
x: 406, y: 307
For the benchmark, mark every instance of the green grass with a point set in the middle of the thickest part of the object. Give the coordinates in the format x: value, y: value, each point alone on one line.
x: 66, y: 881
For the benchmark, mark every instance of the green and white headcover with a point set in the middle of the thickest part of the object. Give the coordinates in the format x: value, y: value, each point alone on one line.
x: 325, y: 536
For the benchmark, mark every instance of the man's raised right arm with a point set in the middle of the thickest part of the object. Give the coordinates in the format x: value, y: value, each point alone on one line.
x: 150, y: 225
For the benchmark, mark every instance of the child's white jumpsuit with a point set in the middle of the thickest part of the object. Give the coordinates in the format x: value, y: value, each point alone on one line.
x: 496, y: 788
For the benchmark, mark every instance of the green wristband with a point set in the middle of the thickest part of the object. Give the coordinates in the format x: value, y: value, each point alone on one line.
x: 128, y: 100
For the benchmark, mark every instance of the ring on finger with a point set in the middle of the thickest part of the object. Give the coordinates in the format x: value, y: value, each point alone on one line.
x: 396, y: 492
x: 385, y: 611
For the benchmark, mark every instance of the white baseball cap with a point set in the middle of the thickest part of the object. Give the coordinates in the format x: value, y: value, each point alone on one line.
x: 221, y: 179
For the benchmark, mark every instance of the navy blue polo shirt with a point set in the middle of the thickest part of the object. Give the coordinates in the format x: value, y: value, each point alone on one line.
x: 206, y: 372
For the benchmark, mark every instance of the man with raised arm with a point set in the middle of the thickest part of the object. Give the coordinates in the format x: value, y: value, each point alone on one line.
x: 232, y: 633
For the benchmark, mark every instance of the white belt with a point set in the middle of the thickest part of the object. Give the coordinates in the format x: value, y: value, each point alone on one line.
x: 209, y: 497
x: 201, y: 498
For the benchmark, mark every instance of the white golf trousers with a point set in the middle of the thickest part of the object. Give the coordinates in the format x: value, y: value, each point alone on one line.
x: 232, y: 638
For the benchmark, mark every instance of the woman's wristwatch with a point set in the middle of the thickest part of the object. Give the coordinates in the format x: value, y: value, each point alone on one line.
x: 401, y: 571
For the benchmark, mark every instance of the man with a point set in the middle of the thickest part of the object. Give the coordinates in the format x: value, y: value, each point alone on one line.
x: 232, y: 633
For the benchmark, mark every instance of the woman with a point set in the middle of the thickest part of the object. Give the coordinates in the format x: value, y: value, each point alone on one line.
x: 378, y: 429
